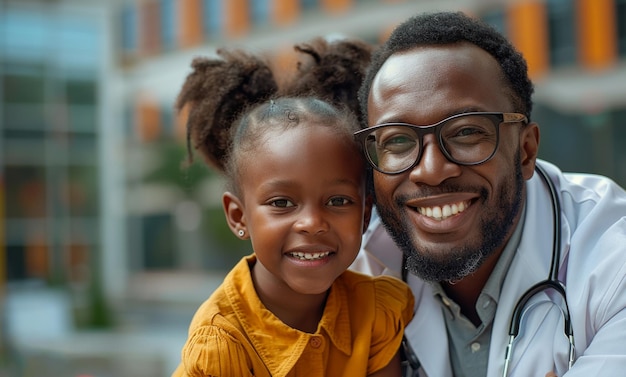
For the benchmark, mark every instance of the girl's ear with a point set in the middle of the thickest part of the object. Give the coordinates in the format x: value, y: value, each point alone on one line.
x: 233, y: 209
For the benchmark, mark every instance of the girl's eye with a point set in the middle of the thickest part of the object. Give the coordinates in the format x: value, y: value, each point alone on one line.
x: 283, y: 203
x: 338, y: 201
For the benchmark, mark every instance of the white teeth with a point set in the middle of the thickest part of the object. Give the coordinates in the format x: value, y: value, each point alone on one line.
x: 446, y: 211
x: 442, y: 213
x: 309, y: 256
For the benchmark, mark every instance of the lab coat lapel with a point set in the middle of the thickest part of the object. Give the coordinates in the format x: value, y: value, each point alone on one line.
x: 530, y: 265
x: 428, y: 331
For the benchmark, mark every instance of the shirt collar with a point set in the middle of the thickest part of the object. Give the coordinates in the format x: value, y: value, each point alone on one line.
x: 279, y: 345
x: 494, y: 283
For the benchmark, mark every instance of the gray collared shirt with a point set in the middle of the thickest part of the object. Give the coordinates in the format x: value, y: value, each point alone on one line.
x: 469, y: 345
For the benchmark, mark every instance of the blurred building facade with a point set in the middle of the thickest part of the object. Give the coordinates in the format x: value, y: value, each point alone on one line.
x: 94, y: 198
x: 52, y: 79
x: 576, y: 50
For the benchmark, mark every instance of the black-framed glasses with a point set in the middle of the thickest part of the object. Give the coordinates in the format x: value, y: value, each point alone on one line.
x: 465, y: 139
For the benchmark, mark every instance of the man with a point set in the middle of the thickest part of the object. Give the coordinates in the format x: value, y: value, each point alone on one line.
x: 449, y: 134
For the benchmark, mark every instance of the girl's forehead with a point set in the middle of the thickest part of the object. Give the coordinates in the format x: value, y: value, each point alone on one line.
x: 311, y: 160
x: 302, y: 126
x: 304, y: 140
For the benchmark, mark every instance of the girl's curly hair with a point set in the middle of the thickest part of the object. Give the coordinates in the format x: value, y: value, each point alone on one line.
x: 233, y: 98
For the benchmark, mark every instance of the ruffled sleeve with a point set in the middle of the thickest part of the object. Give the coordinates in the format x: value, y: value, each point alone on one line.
x: 212, y: 351
x: 394, y: 309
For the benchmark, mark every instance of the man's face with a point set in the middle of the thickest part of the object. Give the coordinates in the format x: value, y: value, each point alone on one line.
x: 481, y: 203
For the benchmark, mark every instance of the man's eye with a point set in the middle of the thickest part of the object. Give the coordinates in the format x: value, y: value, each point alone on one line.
x: 398, y: 144
x: 338, y: 201
x: 281, y: 203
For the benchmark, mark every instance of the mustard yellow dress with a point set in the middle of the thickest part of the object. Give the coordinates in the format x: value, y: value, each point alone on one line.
x: 233, y: 334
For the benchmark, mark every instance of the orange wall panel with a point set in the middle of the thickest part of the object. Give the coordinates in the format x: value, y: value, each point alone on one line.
x: 336, y: 6
x: 237, y: 13
x: 150, y: 27
x: 180, y: 124
x: 190, y: 22
x: 527, y: 30
x: 285, y: 12
x: 597, y: 33
x: 148, y: 120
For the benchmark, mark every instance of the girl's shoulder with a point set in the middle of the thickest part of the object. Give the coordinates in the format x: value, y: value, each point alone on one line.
x: 385, y: 291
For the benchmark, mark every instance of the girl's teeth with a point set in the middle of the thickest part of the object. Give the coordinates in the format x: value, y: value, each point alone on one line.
x: 307, y: 256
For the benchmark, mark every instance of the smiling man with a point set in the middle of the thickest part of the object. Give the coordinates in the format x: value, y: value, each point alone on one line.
x: 453, y: 148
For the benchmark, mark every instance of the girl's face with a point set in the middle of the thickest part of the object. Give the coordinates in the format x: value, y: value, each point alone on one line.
x: 303, y: 206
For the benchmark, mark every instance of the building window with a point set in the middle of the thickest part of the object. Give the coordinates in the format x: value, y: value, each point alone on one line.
x: 168, y: 24
x: 309, y: 4
x: 212, y: 12
x: 620, y: 11
x: 260, y: 10
x: 496, y: 19
x: 562, y: 32
x: 129, y: 29
x: 23, y: 88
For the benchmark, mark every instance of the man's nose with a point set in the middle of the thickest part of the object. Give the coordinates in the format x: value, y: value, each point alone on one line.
x: 433, y: 167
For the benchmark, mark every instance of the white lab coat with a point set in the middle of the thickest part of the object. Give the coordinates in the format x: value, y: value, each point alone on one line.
x: 593, y: 268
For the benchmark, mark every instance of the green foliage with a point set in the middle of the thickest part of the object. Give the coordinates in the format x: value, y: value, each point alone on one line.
x: 174, y: 169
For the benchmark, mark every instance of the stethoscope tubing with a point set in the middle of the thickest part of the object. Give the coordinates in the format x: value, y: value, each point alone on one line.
x: 552, y: 282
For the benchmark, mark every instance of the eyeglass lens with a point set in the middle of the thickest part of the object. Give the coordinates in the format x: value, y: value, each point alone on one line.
x: 466, y: 140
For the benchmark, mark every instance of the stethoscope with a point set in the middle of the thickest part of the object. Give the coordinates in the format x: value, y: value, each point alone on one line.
x: 552, y: 282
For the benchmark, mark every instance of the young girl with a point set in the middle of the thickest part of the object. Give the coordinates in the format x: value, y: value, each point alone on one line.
x: 296, y: 189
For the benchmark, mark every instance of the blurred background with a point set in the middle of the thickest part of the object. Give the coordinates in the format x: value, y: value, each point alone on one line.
x: 108, y: 243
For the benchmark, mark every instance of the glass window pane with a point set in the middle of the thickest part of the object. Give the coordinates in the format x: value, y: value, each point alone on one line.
x: 82, y: 191
x: 562, y: 32
x: 83, y: 149
x: 82, y: 92
x: 77, y: 41
x: 158, y: 241
x: 168, y: 24
x: 496, y: 19
x: 24, y: 147
x: 82, y: 118
x: 23, y: 88
x: 24, y: 117
x: 621, y: 26
x: 565, y: 133
x: 129, y: 28
x: 309, y: 4
x: 16, y: 263
x: 26, y: 195
x: 212, y: 10
x: 260, y: 11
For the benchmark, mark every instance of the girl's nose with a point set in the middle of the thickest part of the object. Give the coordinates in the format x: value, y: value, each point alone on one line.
x: 312, y: 221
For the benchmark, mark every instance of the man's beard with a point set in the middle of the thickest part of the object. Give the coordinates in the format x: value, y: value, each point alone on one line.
x: 459, y: 262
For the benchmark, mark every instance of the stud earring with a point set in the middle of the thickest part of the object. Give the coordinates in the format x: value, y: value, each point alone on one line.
x: 241, y: 232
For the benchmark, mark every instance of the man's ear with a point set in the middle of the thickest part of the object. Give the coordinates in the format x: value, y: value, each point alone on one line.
x: 233, y: 209
x: 367, y: 213
x: 529, y: 148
